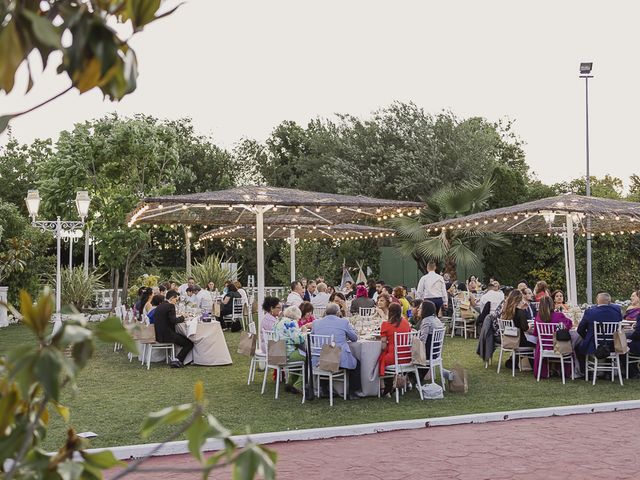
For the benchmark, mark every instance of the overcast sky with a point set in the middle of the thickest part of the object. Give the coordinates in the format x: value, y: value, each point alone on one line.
x: 240, y: 68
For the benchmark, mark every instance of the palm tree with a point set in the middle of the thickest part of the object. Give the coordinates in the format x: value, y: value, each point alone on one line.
x: 460, y: 247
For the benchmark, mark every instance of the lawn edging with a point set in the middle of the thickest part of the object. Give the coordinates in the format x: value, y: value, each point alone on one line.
x: 180, y: 447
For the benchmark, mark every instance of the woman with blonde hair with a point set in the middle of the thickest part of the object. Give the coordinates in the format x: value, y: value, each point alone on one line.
x: 513, y: 311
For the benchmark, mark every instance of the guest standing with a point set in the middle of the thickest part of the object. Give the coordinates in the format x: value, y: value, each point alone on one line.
x: 432, y: 287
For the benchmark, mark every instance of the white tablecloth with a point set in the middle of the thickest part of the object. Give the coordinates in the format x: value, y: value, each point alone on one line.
x: 367, y: 352
x: 210, y: 347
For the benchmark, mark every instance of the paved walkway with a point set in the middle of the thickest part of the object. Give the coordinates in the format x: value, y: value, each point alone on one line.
x: 573, y: 447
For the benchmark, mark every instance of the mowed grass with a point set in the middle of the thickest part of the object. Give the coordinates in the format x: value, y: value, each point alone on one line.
x: 113, y: 396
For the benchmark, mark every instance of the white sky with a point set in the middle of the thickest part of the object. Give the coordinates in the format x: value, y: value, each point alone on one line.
x: 240, y: 68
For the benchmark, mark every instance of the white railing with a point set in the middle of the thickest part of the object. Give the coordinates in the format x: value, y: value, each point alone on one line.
x: 103, y: 298
x: 279, y: 292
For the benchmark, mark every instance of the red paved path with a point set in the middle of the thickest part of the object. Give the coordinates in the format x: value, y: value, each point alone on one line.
x: 544, y: 448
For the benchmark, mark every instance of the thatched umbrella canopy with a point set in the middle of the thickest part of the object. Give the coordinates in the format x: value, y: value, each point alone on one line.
x: 279, y: 205
x: 284, y: 206
x: 563, y: 215
x: 349, y: 231
x: 589, y: 215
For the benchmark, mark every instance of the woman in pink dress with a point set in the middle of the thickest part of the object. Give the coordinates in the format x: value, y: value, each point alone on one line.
x: 546, y: 314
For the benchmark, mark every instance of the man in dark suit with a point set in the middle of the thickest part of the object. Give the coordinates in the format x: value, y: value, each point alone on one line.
x: 165, y: 321
x: 604, y: 311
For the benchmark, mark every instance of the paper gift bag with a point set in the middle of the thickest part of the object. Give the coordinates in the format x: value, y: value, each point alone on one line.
x: 215, y: 311
x: 418, y: 352
x: 247, y: 344
x: 277, y: 352
x: 511, y: 338
x: 562, y: 347
x: 330, y: 357
x: 620, y: 342
x: 147, y: 333
x: 460, y: 383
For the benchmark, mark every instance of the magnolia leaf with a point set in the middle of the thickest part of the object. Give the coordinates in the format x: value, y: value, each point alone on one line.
x: 47, y: 370
x: 89, y: 76
x: 196, y: 436
x: 166, y: 416
x: 4, y: 122
x: 62, y: 410
x: 102, y: 460
x: 45, y: 416
x: 112, y: 330
x: 142, y: 12
x: 43, y: 29
x: 69, y: 470
x: 11, y: 55
x: 254, y: 460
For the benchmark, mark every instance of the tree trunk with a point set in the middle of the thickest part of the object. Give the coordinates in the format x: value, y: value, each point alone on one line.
x: 116, y: 282
x: 125, y: 281
x: 450, y: 268
x: 421, y: 262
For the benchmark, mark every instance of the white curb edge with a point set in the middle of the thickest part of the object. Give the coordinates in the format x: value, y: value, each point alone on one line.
x: 180, y: 447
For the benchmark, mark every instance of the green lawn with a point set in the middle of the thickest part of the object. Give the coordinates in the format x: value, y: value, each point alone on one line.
x: 113, y: 395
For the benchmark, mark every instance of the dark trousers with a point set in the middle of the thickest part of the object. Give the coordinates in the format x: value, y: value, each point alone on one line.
x: 355, y: 382
x: 438, y: 303
x: 184, y: 342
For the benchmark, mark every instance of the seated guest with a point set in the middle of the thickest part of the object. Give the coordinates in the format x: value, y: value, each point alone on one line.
x: 211, y: 287
x: 287, y: 329
x: 472, y: 284
x: 527, y: 303
x: 541, y: 290
x: 272, y: 308
x: 242, y: 292
x: 295, y: 295
x: 330, y: 289
x: 309, y: 291
x: 191, y: 282
x: 204, y: 299
x: 633, y: 310
x: 307, y: 318
x: 162, y: 290
x: 348, y: 289
x: 467, y: 302
x: 558, y: 302
x: 493, y: 295
x: 522, y: 286
x: 416, y: 318
x: 362, y: 300
x: 371, y: 288
x: 398, y: 293
x: 379, y: 289
x: 510, y: 311
x: 322, y: 297
x: 396, y: 323
x: 603, y: 311
x: 381, y: 313
x: 227, y: 301
x: 342, y: 332
x: 144, y: 304
x: 338, y: 299
x: 409, y: 297
x: 155, y: 301
x: 190, y: 298
x: 547, y: 314
x: 389, y: 291
x: 428, y: 322
x: 165, y: 321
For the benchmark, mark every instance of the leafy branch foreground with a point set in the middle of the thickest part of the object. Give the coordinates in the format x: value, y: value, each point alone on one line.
x: 32, y: 377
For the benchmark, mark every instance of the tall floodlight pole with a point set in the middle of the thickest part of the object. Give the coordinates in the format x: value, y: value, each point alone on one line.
x: 585, y: 72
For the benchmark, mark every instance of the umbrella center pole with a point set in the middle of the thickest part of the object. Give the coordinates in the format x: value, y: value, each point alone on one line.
x: 292, y: 249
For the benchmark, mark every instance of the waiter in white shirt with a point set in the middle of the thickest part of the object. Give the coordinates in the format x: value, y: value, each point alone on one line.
x: 432, y: 287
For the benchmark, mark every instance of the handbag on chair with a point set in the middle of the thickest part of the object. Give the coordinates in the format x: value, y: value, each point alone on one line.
x: 277, y: 352
x: 330, y: 357
x: 418, y: 352
x: 562, y: 342
x: 511, y: 338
